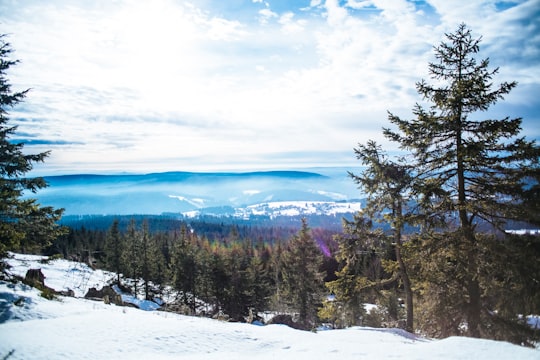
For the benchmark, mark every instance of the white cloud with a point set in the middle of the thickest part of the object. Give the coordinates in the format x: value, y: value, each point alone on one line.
x: 336, y: 14
x: 265, y: 15
x: 168, y: 85
x: 359, y: 4
x: 290, y: 25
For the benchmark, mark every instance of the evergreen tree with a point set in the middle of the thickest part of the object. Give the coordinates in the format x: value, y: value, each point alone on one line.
x: 132, y: 253
x: 388, y: 186
x: 472, y: 170
x: 259, y: 289
x: 360, y: 275
x: 24, y: 224
x: 148, y: 258
x: 236, y: 297
x: 302, y: 276
x: 259, y: 284
x: 114, y: 249
x: 185, y: 270
x: 204, y: 285
x: 277, y: 302
x: 161, y: 275
x: 218, y: 277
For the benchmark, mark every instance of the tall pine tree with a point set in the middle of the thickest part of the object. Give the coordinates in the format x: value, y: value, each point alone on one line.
x: 473, y: 171
x: 24, y: 224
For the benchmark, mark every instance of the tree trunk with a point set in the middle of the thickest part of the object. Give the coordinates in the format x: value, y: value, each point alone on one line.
x: 409, y: 326
x: 407, y: 287
x: 471, y: 279
x: 473, y: 286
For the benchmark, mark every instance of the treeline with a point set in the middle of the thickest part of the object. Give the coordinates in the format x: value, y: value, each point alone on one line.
x: 212, y: 228
x: 169, y: 221
x: 88, y: 233
x: 231, y: 275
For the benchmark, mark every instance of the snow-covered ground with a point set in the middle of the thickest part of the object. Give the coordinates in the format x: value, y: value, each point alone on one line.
x: 32, y: 327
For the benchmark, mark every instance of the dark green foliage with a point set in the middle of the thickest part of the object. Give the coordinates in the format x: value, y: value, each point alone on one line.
x: 236, y: 300
x: 185, y: 268
x: 469, y: 172
x: 360, y: 275
x: 389, y: 186
x: 114, y: 247
x: 24, y: 224
x: 259, y: 284
x: 131, y: 256
x: 151, y: 260
x: 302, y: 277
x: 475, y: 167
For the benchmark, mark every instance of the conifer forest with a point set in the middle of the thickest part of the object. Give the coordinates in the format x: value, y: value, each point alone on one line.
x: 429, y: 248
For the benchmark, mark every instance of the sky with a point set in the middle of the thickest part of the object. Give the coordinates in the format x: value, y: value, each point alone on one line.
x: 242, y: 85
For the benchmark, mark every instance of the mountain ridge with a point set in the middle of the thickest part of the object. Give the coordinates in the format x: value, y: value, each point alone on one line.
x: 183, y: 191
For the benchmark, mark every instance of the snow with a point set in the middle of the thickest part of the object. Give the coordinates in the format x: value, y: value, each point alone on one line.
x: 524, y: 232
x: 75, y: 328
x: 295, y: 208
x: 286, y: 208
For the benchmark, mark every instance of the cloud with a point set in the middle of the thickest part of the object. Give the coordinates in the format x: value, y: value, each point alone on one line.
x: 266, y: 15
x: 173, y: 85
x: 290, y: 25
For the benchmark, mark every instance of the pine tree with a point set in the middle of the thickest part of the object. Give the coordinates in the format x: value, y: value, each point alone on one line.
x: 276, y: 260
x: 388, y: 185
x: 185, y: 269
x: 472, y: 170
x: 259, y: 281
x: 302, y: 276
x: 357, y: 247
x: 113, y: 249
x: 148, y: 258
x: 24, y: 224
x: 132, y: 252
x: 161, y: 275
x: 236, y: 300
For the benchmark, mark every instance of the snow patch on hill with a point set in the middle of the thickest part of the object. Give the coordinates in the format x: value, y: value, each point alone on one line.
x: 274, y: 209
x: 296, y: 208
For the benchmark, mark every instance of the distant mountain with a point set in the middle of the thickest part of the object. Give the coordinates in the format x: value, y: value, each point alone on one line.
x: 184, y: 192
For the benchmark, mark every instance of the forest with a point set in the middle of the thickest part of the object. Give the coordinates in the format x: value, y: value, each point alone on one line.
x: 458, y: 181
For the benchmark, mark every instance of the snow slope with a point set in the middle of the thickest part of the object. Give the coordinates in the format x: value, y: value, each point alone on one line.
x: 74, y: 328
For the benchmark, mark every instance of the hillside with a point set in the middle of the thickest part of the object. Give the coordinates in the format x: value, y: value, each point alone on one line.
x: 185, y: 192
x: 32, y: 327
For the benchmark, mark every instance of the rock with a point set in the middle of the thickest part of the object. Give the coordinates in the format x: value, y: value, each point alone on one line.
x: 67, y: 292
x: 107, y: 294
x: 35, y: 278
x: 283, y: 319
